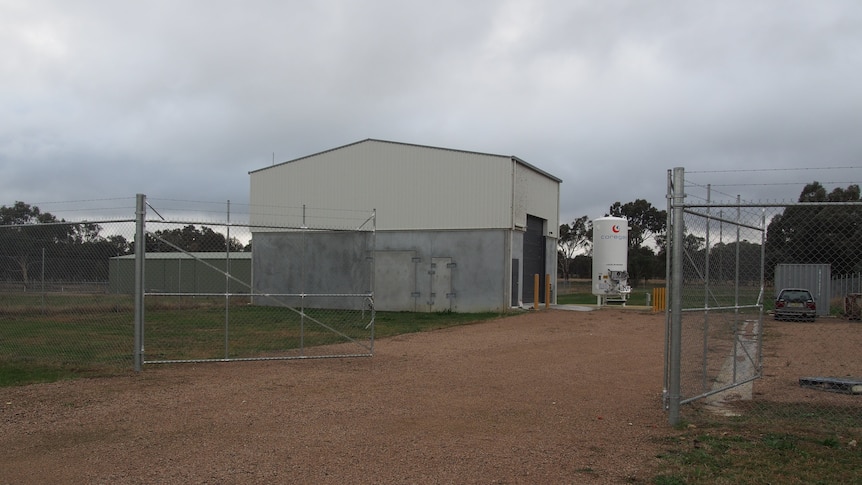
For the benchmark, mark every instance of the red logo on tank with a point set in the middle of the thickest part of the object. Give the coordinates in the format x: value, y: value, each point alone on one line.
x: 615, y: 228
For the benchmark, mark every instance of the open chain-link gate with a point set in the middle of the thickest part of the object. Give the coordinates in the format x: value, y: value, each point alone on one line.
x: 727, y: 261
x: 716, y: 281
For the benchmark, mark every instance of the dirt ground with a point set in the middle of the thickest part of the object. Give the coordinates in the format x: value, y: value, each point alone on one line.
x: 550, y: 396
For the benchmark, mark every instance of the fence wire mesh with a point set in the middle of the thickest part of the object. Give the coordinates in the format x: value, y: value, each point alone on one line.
x: 722, y: 300
x: 56, y: 305
x: 736, y: 353
x: 67, y: 289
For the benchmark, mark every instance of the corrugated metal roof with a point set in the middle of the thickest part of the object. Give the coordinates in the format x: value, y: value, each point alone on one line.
x: 516, y: 159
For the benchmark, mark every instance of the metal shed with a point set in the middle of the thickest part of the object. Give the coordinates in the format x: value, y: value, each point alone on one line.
x: 816, y: 278
x: 478, y: 225
x: 177, y: 272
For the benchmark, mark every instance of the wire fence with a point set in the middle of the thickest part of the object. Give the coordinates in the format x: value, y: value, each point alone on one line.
x: 734, y: 344
x: 106, y: 297
x: 56, y: 303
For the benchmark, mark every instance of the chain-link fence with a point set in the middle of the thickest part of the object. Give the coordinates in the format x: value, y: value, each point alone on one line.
x: 304, y: 291
x: 735, y: 342
x: 56, y: 306
x: 163, y: 287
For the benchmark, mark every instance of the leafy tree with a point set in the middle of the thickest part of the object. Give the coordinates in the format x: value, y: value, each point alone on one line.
x: 693, y: 244
x: 573, y: 237
x: 119, y: 245
x: 65, y: 251
x: 818, y: 234
x: 31, y: 231
x: 191, y: 239
x: 582, y: 266
x: 723, y: 257
x: 642, y: 264
x: 645, y: 221
x: 77, y: 251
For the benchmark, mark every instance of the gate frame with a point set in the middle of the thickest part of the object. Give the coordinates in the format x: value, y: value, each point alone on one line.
x: 140, y: 293
x: 677, y: 208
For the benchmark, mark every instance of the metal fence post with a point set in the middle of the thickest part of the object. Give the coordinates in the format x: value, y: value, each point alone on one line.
x: 227, y: 286
x: 676, y: 295
x: 140, y: 248
x: 664, y: 293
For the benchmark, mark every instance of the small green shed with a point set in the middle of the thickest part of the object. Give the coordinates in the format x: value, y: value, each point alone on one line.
x: 200, y: 272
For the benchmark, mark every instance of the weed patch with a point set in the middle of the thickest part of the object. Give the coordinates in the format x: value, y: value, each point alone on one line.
x: 781, y: 443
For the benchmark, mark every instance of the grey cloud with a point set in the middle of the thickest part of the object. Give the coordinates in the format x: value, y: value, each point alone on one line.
x: 187, y: 97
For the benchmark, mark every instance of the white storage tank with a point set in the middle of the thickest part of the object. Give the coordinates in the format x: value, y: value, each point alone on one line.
x: 610, y: 259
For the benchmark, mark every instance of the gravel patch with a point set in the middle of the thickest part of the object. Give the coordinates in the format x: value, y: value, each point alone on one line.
x: 549, y: 396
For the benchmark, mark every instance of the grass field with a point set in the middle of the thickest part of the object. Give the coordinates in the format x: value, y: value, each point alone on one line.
x: 579, y: 292
x: 63, y: 335
x: 779, y: 443
x: 68, y: 336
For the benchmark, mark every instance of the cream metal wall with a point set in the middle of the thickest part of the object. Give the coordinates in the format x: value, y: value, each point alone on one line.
x: 432, y: 204
x: 536, y: 194
x: 412, y: 187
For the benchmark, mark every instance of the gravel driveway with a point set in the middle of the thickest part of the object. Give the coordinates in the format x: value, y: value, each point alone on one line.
x: 550, y: 396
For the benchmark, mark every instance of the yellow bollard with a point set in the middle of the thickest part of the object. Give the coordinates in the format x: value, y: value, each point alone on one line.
x: 536, y: 291
x: 658, y: 299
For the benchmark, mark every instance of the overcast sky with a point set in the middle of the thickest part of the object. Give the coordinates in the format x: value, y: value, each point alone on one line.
x: 181, y: 99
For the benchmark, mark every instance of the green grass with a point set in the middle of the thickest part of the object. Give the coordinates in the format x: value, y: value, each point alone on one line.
x: 797, y: 443
x: 22, y: 372
x: 579, y: 292
x: 576, y: 299
x: 63, y: 335
x: 79, y: 336
x: 388, y: 324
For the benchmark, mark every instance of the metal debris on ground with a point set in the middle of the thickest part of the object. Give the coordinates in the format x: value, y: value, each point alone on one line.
x: 833, y: 384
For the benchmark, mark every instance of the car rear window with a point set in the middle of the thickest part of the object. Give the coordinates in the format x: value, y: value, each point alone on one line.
x: 795, y: 295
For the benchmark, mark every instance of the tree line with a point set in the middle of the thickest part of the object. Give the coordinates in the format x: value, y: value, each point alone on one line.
x: 36, y: 244
x: 817, y: 234
x: 800, y: 234
x: 646, y: 243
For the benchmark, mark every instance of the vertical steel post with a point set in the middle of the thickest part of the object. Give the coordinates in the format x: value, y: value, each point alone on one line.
x: 736, y: 325
x: 302, y: 286
x: 227, y: 287
x: 704, y: 384
x: 676, y: 295
x: 371, y: 275
x: 140, y: 255
x: 738, y: 237
x: 43, y: 281
x: 762, y: 292
x: 663, y: 294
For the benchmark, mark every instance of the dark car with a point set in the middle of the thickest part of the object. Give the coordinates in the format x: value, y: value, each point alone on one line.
x: 795, y: 304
